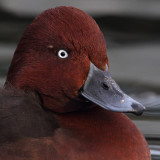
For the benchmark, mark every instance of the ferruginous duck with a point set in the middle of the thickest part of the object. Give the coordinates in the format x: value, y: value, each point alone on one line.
x: 59, y: 101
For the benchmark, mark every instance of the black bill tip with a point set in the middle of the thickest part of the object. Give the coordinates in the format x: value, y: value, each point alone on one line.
x: 138, y: 108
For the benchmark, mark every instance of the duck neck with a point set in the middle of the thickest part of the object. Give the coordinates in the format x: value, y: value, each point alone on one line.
x: 84, y: 120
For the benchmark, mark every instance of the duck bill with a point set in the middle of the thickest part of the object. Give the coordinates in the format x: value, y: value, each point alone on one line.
x: 101, y: 89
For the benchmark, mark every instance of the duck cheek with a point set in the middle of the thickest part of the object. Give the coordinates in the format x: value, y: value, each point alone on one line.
x: 75, y: 80
x: 72, y: 89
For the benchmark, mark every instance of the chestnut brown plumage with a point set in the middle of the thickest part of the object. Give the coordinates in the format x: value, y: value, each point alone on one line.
x: 45, y: 118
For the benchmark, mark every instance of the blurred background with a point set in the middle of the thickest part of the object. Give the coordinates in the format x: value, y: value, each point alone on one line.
x: 132, y: 32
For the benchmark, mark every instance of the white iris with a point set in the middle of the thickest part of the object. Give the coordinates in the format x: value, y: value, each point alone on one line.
x: 62, y: 54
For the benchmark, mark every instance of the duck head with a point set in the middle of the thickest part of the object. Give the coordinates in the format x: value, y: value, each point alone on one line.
x: 61, y: 56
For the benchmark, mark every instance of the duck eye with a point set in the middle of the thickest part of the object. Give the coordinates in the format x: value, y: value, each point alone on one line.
x: 62, y: 54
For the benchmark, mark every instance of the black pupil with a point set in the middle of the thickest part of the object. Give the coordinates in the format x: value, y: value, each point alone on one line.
x: 63, y: 54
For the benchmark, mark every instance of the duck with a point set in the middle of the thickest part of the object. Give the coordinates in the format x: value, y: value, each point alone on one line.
x: 59, y: 101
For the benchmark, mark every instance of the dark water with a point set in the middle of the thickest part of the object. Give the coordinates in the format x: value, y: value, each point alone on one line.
x: 133, y: 49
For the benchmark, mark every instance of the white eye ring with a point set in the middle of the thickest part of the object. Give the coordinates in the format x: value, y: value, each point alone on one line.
x: 62, y: 54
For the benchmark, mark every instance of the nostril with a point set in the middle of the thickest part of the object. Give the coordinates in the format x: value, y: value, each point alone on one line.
x: 105, y: 86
